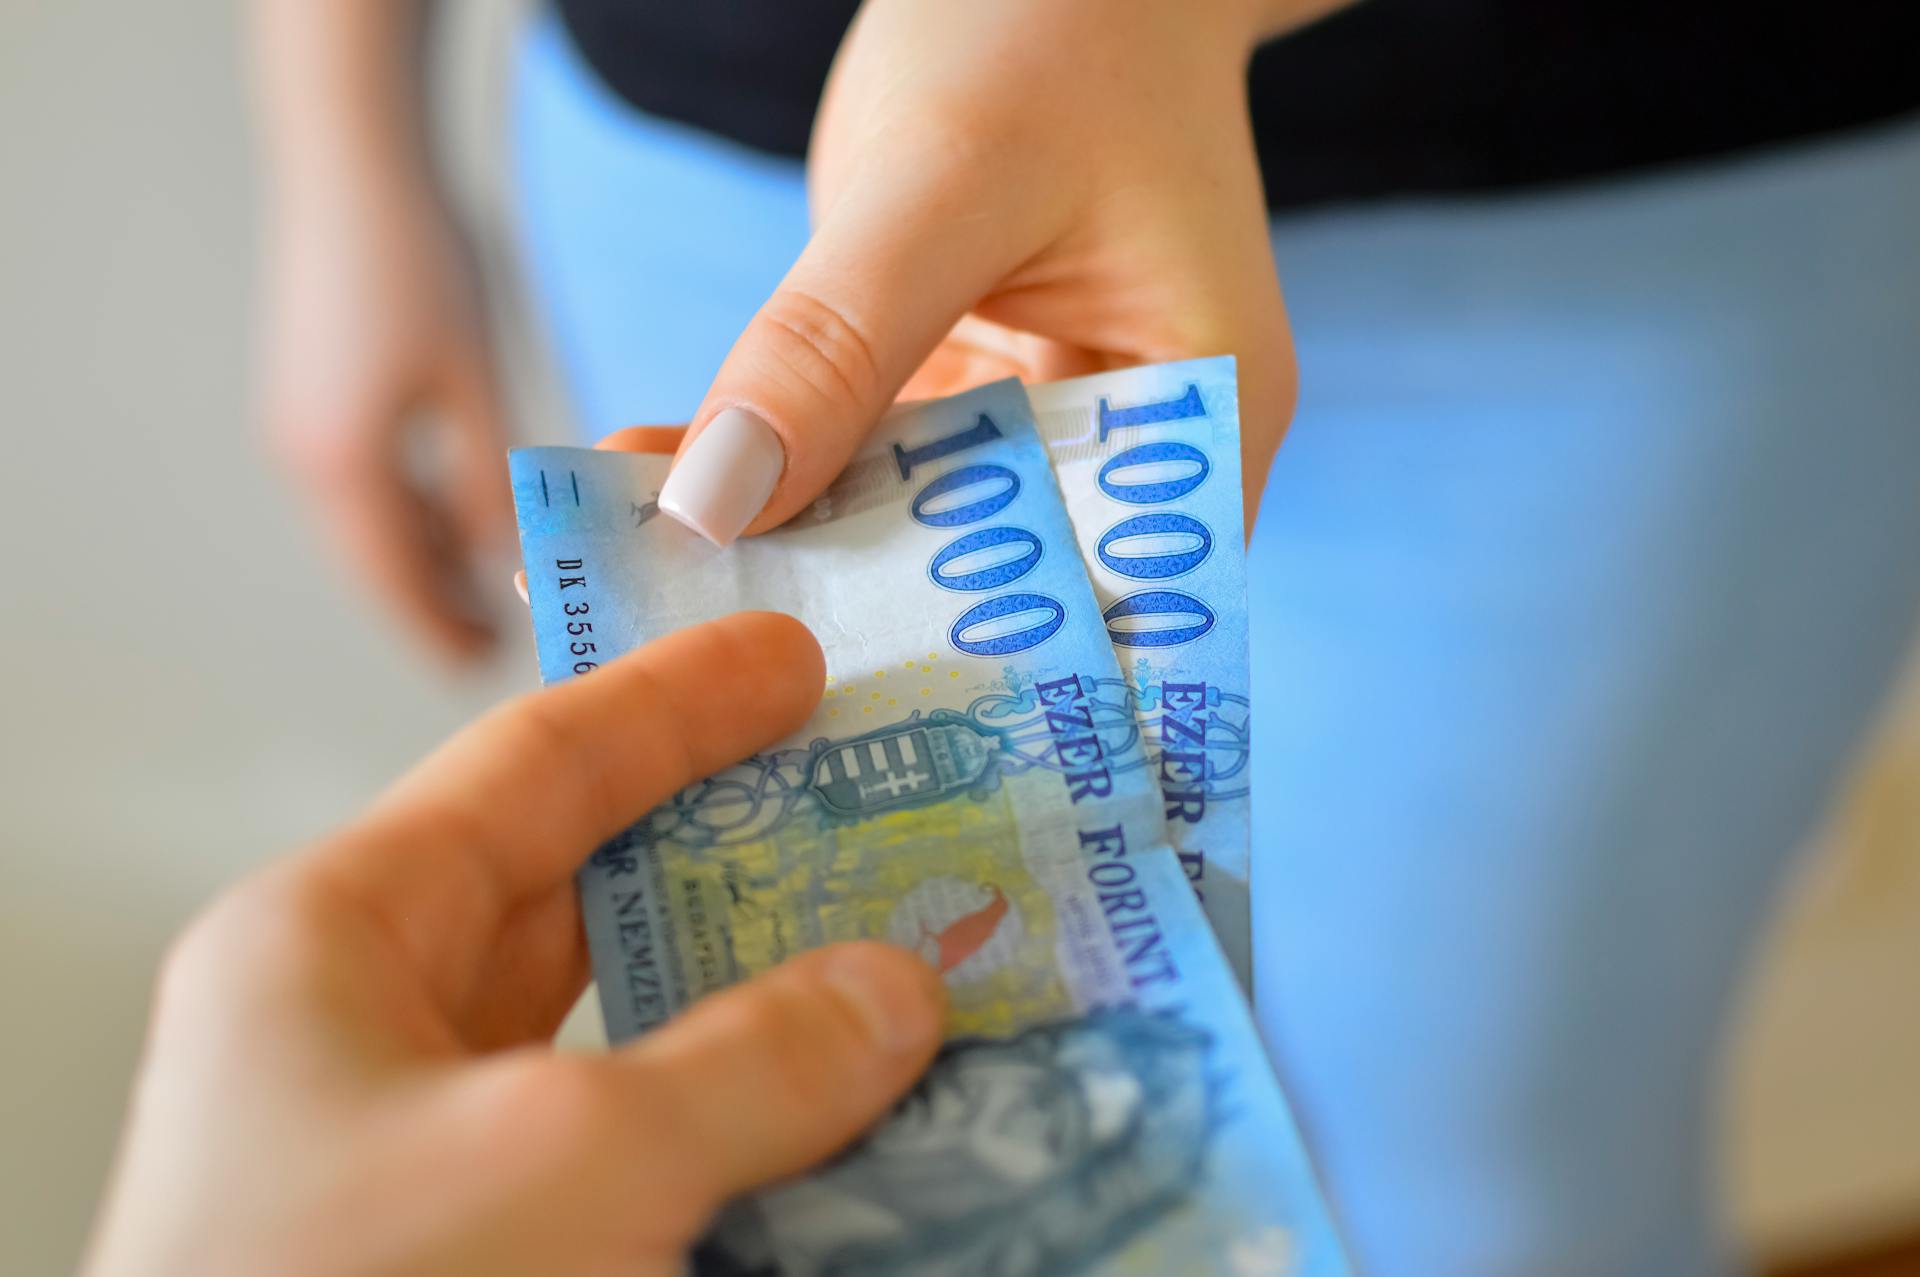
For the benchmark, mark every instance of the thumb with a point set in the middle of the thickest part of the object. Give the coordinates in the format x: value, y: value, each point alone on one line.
x: 890, y: 270
x: 765, y: 1079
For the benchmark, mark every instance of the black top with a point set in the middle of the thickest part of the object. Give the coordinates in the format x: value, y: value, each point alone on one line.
x: 1387, y: 97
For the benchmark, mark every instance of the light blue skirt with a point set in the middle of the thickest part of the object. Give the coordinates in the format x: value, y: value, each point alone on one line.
x: 1593, y: 549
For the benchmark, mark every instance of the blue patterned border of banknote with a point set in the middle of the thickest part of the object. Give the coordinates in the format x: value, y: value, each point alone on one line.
x: 975, y: 786
x: 1148, y: 460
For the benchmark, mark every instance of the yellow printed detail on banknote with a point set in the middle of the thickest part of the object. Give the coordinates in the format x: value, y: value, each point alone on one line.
x: 949, y: 881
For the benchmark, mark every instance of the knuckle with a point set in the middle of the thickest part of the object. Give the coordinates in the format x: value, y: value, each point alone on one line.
x: 969, y: 142
x: 777, y: 1023
x: 808, y: 1032
x: 820, y: 346
x: 763, y: 1013
x: 547, y: 1107
x: 567, y: 1096
x: 255, y: 931
x: 550, y: 742
x: 192, y: 958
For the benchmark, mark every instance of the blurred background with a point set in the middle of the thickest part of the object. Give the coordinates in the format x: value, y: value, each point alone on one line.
x: 196, y: 685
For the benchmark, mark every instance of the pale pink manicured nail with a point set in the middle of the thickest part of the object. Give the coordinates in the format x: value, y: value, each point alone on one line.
x: 725, y: 476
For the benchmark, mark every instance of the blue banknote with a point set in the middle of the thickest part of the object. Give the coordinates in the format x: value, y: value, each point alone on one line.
x: 1148, y: 460
x: 975, y: 785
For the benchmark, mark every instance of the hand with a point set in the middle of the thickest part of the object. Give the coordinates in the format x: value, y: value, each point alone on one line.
x: 377, y: 353
x: 347, y: 1070
x: 1077, y: 179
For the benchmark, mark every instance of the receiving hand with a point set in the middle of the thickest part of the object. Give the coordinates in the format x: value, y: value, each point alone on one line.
x: 381, y: 399
x: 348, y: 1070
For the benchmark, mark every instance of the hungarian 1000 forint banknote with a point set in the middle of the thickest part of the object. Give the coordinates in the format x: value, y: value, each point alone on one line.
x: 1148, y: 460
x: 975, y: 786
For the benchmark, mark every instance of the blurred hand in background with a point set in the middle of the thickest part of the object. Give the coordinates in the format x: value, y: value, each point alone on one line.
x: 380, y: 392
x: 349, y: 1069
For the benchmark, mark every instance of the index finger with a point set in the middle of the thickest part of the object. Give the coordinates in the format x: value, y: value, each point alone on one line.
x: 510, y: 808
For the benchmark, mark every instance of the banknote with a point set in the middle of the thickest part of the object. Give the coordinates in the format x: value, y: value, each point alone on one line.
x: 1148, y: 460
x: 974, y: 786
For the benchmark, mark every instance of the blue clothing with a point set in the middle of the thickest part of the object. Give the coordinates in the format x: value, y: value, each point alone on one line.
x: 1590, y: 555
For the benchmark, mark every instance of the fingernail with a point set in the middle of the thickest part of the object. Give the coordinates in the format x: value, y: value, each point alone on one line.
x: 725, y: 476
x: 888, y: 995
x: 520, y: 587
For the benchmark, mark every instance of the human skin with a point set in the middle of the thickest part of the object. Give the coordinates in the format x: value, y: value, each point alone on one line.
x: 999, y: 187
x: 349, y: 1068
x: 376, y: 342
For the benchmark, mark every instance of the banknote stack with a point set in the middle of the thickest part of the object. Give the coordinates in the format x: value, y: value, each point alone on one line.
x: 1030, y: 765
